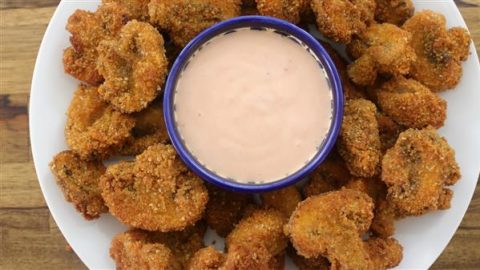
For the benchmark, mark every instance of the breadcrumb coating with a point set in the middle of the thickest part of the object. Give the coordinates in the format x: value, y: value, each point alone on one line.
x: 328, y: 176
x: 137, y: 249
x: 417, y: 169
x: 184, y: 19
x: 134, y: 66
x: 342, y: 19
x: 394, y: 11
x: 94, y: 129
x: 224, y: 209
x: 438, y: 51
x: 284, y: 200
x: 149, y: 129
x: 155, y: 192
x: 87, y: 30
x: 260, y: 232
x: 385, y: 253
x: 289, y: 10
x: 207, y: 258
x: 79, y: 181
x: 359, y: 140
x: 138, y: 9
x: 331, y: 225
x: 411, y: 104
x: 380, y: 49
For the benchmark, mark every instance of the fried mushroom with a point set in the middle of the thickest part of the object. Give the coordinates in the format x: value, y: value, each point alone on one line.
x: 79, y: 181
x: 94, y: 129
x: 134, y: 67
x: 155, y: 192
x: 416, y: 171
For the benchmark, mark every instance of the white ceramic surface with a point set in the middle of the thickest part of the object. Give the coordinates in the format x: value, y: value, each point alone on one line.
x: 423, y: 238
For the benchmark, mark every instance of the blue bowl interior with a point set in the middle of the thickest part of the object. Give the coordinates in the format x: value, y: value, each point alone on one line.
x: 255, y: 23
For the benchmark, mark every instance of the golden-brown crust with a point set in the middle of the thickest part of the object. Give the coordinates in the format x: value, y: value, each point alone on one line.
x: 383, y: 223
x: 341, y: 19
x: 373, y: 187
x: 87, y: 30
x: 394, y: 11
x: 331, y: 225
x: 224, y: 209
x: 261, y: 231
x: 359, y: 141
x: 329, y: 176
x: 461, y: 38
x: 388, y: 131
x: 155, y: 192
x: 381, y: 48
x: 438, y: 54
x: 350, y: 90
x: 316, y: 263
x: 134, y: 67
x: 79, y: 181
x: 416, y: 170
x: 411, y: 104
x: 94, y: 129
x: 290, y: 10
x: 132, y: 250
x: 149, y: 129
x: 184, y: 19
x: 207, y: 258
x: 384, y: 253
x: 138, y: 9
x: 137, y: 249
x: 284, y: 200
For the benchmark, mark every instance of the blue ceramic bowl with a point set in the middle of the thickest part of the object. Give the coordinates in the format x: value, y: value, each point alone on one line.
x: 257, y: 23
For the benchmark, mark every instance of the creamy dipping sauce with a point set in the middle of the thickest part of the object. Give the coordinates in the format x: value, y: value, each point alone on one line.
x: 253, y: 106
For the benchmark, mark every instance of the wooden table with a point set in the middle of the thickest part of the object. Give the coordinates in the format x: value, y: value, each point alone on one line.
x: 29, y: 237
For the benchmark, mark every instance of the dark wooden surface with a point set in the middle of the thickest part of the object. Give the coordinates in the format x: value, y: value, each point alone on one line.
x: 29, y: 237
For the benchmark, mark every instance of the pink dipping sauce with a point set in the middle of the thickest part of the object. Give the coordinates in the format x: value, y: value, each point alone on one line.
x: 253, y: 106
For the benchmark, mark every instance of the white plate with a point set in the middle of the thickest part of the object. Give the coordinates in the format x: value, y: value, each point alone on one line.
x: 423, y: 238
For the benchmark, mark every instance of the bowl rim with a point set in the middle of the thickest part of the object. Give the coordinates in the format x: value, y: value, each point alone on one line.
x: 266, y: 22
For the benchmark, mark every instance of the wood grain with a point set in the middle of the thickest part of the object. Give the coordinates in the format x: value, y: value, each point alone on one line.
x: 29, y: 238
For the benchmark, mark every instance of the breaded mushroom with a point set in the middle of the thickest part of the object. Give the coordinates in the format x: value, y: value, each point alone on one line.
x: 411, y: 104
x: 350, y: 90
x: 331, y: 225
x: 224, y: 209
x: 439, y: 52
x: 383, y: 223
x: 137, y: 249
x: 380, y: 49
x: 289, y: 10
x: 388, y: 131
x: 416, y: 171
x: 340, y: 20
x: 328, y: 176
x: 359, y: 141
x: 132, y: 250
x: 155, y: 192
x: 184, y: 19
x: 79, y: 181
x: 317, y: 263
x: 394, y: 11
x: 149, y: 129
x: 385, y: 253
x: 138, y: 9
x: 87, y: 30
x: 134, y: 66
x: 94, y: 129
x: 258, y: 239
x: 207, y: 258
x: 284, y: 200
